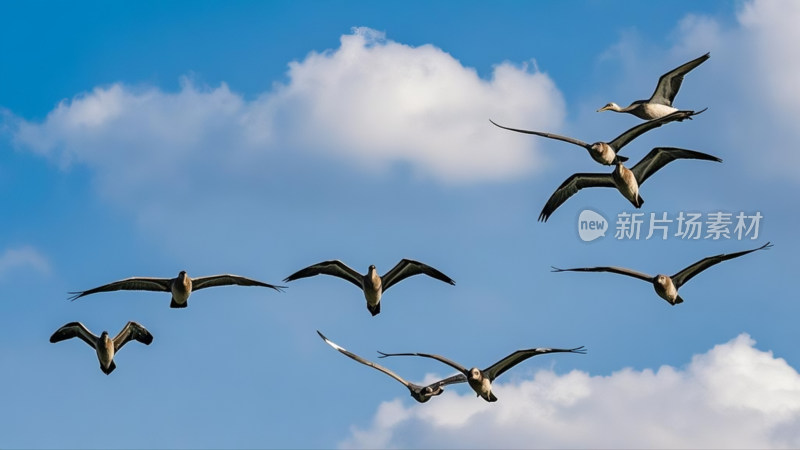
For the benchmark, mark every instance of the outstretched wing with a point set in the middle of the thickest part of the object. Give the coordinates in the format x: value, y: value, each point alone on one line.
x: 612, y: 269
x: 450, y: 363
x: 570, y: 187
x: 497, y: 369
x: 228, y: 280
x: 128, y: 284
x: 661, y: 156
x: 408, y: 268
x: 335, y: 268
x: 623, y: 139
x: 547, y: 135
x: 457, y: 378
x: 74, y: 329
x: 669, y: 83
x: 364, y: 361
x: 686, y: 274
x: 130, y: 332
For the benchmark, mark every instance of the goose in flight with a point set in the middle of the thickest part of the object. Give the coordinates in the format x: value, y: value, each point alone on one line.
x: 105, y: 347
x: 420, y: 393
x: 181, y: 287
x: 606, y: 152
x: 667, y: 286
x: 660, y: 103
x: 481, y: 380
x: 627, y: 181
x: 372, y: 284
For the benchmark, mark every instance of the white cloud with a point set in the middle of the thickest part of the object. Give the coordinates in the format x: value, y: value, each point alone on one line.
x: 17, y: 258
x: 732, y: 396
x: 372, y: 102
x: 749, y: 84
x: 379, y: 101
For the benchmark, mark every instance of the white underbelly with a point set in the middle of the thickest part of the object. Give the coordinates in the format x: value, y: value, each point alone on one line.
x: 628, y: 187
x: 657, y: 111
x: 373, y: 296
x: 105, y: 353
x: 180, y: 296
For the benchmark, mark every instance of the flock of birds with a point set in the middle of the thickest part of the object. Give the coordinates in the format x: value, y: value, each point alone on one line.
x: 657, y: 111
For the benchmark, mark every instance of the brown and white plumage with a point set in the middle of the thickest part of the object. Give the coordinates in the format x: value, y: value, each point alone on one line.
x: 667, y: 286
x: 627, y: 181
x: 660, y: 103
x: 606, y: 153
x: 420, y: 393
x: 481, y: 380
x: 105, y: 347
x: 371, y: 284
x: 181, y: 286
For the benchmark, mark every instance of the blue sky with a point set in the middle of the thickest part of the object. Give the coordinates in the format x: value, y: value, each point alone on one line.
x: 256, y: 138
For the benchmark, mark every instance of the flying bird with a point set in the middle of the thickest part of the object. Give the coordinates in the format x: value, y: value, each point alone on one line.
x: 181, y: 287
x: 606, y: 152
x: 372, y: 284
x: 105, y: 347
x: 660, y: 103
x: 627, y: 181
x: 665, y: 286
x: 481, y: 380
x: 420, y: 393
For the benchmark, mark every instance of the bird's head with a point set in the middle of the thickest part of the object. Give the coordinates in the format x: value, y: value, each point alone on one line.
x: 475, y: 374
x: 600, y: 148
x: 609, y: 106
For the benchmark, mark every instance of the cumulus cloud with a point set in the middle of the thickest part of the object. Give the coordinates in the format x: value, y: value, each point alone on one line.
x: 13, y: 259
x: 733, y: 396
x: 749, y: 84
x: 371, y: 102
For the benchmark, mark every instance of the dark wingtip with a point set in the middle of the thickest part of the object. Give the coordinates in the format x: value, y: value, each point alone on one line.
x: 582, y: 350
x: 74, y: 296
x: 622, y: 158
x: 556, y: 269
x: 382, y: 355
x: 766, y: 246
x: 279, y: 288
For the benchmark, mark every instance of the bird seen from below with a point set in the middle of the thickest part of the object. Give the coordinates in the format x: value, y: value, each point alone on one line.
x: 667, y: 286
x: 481, y: 380
x: 606, y: 152
x: 105, y: 347
x: 372, y: 284
x: 627, y: 181
x: 420, y: 393
x: 181, y: 286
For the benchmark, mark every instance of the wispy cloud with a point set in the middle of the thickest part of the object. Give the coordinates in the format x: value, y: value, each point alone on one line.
x: 733, y: 396
x: 23, y: 257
